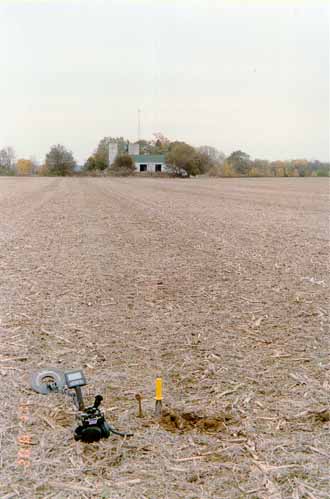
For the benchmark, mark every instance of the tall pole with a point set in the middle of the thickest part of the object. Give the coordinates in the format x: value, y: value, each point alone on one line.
x: 139, y: 125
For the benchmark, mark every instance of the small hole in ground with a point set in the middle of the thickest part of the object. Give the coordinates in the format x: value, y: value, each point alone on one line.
x: 173, y: 420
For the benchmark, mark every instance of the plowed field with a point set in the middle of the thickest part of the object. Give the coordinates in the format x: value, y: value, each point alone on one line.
x: 221, y: 287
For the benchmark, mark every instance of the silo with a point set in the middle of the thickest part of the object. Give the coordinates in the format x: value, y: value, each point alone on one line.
x: 134, y: 149
x: 113, y: 152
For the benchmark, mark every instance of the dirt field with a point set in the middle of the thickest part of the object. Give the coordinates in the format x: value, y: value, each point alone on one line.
x: 219, y: 286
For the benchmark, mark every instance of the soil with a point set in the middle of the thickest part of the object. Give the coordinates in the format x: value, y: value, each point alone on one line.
x: 219, y: 286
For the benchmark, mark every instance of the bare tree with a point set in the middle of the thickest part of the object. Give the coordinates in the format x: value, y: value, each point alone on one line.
x: 7, y: 160
x: 214, y: 155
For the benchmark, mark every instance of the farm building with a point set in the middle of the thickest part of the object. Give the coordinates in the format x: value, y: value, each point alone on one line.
x: 149, y: 162
x: 143, y: 162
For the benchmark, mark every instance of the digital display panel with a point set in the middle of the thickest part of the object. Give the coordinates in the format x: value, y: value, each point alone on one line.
x: 74, y: 376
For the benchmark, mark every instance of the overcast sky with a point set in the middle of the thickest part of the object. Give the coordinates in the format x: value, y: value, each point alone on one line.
x: 251, y: 77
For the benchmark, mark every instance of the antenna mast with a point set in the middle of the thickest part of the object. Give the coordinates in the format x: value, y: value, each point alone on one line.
x: 139, y: 125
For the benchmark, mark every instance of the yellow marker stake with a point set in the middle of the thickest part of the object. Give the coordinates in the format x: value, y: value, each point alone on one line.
x: 159, y: 389
x: 159, y: 396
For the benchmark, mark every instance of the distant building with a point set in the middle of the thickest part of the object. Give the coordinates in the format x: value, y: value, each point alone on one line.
x: 143, y: 162
x: 149, y: 162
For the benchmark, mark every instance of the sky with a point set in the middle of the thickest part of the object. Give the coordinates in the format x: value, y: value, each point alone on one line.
x: 235, y: 75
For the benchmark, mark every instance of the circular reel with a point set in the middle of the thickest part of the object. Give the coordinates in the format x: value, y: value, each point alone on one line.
x: 48, y: 380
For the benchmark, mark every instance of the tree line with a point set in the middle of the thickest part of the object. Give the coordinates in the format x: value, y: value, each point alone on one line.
x: 181, y: 158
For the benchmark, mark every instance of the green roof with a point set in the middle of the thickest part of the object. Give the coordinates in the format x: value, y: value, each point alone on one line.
x: 148, y: 158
